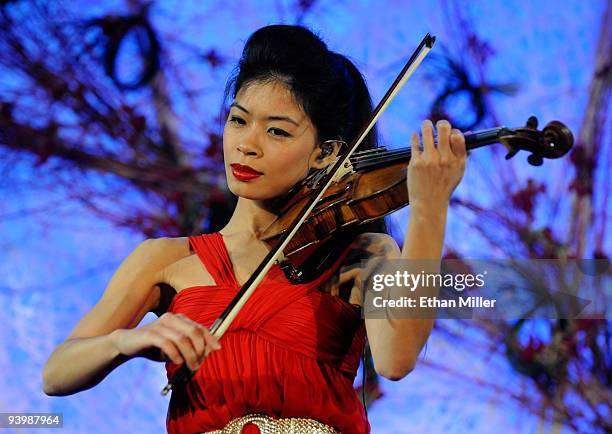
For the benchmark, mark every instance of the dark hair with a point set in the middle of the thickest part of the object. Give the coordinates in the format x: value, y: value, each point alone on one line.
x: 327, y: 85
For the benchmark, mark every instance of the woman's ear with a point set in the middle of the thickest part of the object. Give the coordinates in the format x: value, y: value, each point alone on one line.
x: 325, y: 153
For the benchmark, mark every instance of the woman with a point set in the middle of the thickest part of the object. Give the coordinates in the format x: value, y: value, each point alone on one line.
x: 293, y: 351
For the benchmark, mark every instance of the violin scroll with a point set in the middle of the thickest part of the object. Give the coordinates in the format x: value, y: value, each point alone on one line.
x: 554, y: 141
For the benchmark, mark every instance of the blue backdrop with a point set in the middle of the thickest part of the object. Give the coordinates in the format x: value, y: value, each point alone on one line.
x: 55, y: 264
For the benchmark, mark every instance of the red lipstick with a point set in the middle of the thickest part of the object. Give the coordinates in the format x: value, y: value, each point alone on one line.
x: 244, y: 173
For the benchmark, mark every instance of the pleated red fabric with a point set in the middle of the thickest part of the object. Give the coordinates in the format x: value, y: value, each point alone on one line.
x: 292, y: 351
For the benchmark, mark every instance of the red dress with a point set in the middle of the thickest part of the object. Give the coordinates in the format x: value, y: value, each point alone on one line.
x: 292, y: 351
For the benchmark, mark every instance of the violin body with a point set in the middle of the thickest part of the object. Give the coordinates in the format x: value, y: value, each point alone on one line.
x: 357, y: 198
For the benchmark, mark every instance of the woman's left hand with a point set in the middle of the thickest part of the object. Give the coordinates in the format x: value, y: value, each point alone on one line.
x: 435, y: 172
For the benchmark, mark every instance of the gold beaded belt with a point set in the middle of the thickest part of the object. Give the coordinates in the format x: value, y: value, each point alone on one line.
x: 269, y: 425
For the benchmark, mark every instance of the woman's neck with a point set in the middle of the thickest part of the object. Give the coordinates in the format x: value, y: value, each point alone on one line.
x: 250, y: 219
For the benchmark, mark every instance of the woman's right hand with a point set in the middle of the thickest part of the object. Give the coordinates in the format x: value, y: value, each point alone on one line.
x: 172, y: 337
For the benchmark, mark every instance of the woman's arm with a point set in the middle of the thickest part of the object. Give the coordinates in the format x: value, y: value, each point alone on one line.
x: 92, y: 349
x: 433, y: 174
x: 397, y: 342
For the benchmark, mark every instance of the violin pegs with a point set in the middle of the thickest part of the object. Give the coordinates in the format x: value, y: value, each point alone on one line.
x: 532, y: 122
x: 511, y: 154
x: 535, y: 160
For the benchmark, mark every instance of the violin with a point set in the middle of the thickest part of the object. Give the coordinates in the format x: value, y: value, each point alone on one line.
x: 372, y: 184
x: 360, y: 188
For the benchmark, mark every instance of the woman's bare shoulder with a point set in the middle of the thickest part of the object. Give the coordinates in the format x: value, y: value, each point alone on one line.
x: 133, y: 289
x: 166, y: 247
x: 375, y: 244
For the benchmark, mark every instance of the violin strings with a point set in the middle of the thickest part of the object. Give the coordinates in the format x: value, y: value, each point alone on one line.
x: 376, y: 156
x: 383, y: 157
